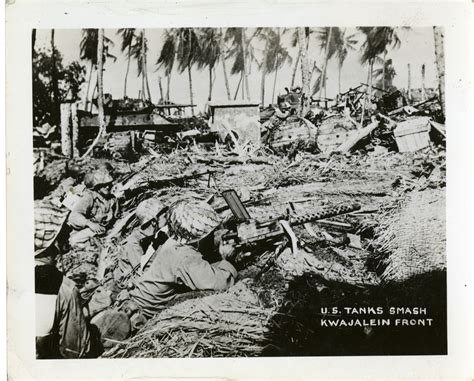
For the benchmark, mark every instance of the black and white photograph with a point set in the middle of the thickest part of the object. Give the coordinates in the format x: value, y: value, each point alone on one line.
x: 239, y: 192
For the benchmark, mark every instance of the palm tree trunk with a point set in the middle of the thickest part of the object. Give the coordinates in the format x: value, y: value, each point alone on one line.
x: 304, y: 70
x: 168, y: 83
x: 339, y: 79
x: 409, y: 84
x: 86, y: 102
x: 262, y: 86
x: 161, y: 90
x: 293, y: 75
x: 100, y: 85
x: 323, y: 79
x: 210, y: 83
x: 237, y: 89
x: 54, y: 79
x: 226, y: 79
x: 423, y: 88
x: 383, y: 69
x: 244, y: 59
x: 126, y: 73
x: 145, y: 67
x: 33, y: 42
x: 274, y: 85
x: 439, y: 53
x: 190, y: 89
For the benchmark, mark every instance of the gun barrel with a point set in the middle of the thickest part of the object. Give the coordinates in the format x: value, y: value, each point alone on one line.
x: 325, y: 213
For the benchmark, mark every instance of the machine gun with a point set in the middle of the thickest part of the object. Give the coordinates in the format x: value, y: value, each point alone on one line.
x: 249, y: 232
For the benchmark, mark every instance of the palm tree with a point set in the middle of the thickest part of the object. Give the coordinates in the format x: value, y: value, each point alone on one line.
x: 128, y: 36
x: 88, y: 51
x: 385, y: 75
x: 243, y: 53
x: 210, y: 51
x: 325, y: 36
x: 167, y: 58
x: 185, y: 44
x: 343, y: 44
x: 302, y: 42
x: 277, y: 57
x: 139, y: 52
x: 294, y: 43
x: 438, y: 35
x: 100, y: 85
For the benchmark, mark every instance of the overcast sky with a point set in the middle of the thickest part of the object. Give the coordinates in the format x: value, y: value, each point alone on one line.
x: 417, y: 48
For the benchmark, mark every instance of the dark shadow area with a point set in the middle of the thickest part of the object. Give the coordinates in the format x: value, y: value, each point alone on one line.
x: 296, y: 330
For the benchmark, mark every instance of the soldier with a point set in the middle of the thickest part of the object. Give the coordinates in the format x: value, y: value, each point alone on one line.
x: 97, y: 209
x: 61, y: 327
x: 151, y: 217
x: 178, y: 266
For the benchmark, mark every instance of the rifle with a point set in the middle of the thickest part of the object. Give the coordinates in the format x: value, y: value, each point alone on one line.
x: 249, y: 232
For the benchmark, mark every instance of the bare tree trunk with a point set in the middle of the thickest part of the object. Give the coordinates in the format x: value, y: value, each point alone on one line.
x: 100, y: 88
x: 244, y: 53
x: 383, y: 69
x: 409, y: 84
x: 161, y: 89
x: 339, y: 79
x: 439, y: 53
x: 75, y: 130
x: 33, y: 42
x: 226, y: 79
x: 274, y: 85
x: 262, y: 86
x: 304, y: 70
x: 86, y: 101
x: 145, y: 67
x: 191, y: 89
x: 56, y: 114
x: 237, y: 89
x: 423, y: 88
x: 168, y: 83
x: 126, y: 73
x: 293, y: 75
x: 323, y: 78
x: 210, y: 84
x: 224, y: 68
x: 66, y: 142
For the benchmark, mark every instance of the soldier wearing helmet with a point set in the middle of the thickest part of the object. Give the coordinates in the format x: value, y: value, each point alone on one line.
x: 61, y: 327
x: 178, y: 266
x: 151, y: 217
x: 96, y: 210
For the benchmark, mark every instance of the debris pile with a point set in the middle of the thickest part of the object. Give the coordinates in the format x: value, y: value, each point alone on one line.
x: 386, y: 156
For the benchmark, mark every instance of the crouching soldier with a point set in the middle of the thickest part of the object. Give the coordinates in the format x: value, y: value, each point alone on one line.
x: 61, y: 327
x: 178, y: 266
x: 137, y: 249
x: 97, y: 209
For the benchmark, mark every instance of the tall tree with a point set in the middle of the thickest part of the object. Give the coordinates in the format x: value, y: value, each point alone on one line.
x: 100, y: 89
x: 385, y: 75
x: 88, y: 52
x: 139, y: 53
x: 438, y: 35
x: 128, y: 37
x: 167, y: 58
x: 325, y: 36
x: 184, y: 42
x: 210, y: 52
x: 224, y: 66
x: 302, y: 42
x: 242, y: 51
x: 343, y: 44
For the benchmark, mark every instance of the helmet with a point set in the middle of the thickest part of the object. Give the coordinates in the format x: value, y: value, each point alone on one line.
x: 49, y: 220
x: 148, y: 210
x: 98, y: 177
x: 190, y: 221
